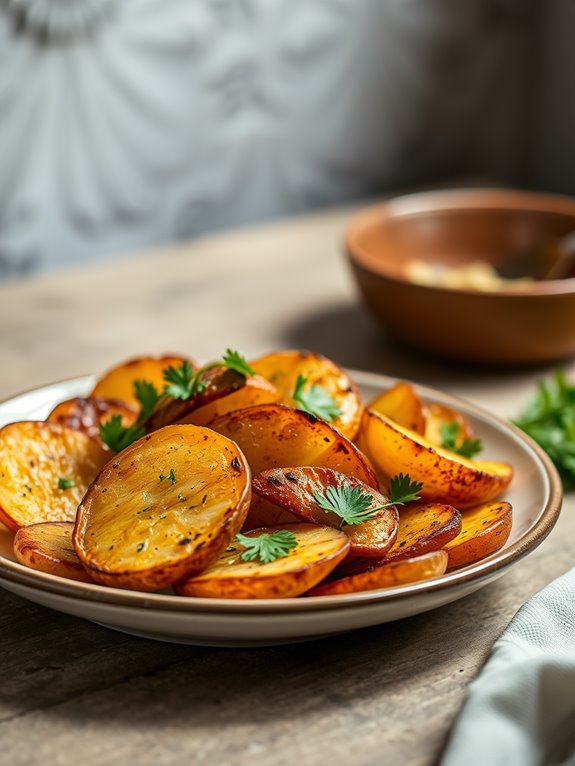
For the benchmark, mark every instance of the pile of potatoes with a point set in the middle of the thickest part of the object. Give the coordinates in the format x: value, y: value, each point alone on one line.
x: 240, y: 457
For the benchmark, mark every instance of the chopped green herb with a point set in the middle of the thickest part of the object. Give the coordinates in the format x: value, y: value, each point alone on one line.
x: 140, y: 547
x: 144, y: 510
x: 169, y: 476
x: 549, y: 419
x: 449, y: 435
x: 113, y: 433
x: 354, y: 505
x: 237, y: 362
x: 148, y: 395
x: 64, y: 483
x: 267, y: 547
x: 182, y: 382
x: 316, y: 400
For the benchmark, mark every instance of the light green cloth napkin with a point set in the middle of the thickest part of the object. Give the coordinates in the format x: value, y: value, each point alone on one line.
x: 520, y: 711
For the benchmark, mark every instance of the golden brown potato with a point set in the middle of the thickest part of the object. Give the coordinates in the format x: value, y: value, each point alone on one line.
x: 219, y: 383
x: 294, y: 490
x: 45, y: 469
x: 424, y: 527
x: 86, y: 413
x: 274, y: 436
x: 484, y: 530
x: 437, y: 415
x: 163, y: 509
x: 282, y: 369
x: 447, y: 477
x: 402, y: 405
x: 48, y: 547
x: 118, y: 383
x: 398, y: 572
x: 257, y: 390
x: 318, y: 551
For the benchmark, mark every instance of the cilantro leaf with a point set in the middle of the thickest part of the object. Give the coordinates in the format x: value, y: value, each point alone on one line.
x: 351, y: 504
x: 181, y: 382
x: 148, y: 396
x: 113, y: 433
x: 267, y: 547
x: 316, y: 400
x: 235, y: 361
x: 549, y: 419
x: 449, y: 435
x: 65, y: 483
x: 402, y: 490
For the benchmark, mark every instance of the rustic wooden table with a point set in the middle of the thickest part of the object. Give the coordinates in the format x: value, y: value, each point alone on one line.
x: 74, y: 692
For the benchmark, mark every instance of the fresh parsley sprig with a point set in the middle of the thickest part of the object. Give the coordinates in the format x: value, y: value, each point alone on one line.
x: 354, y: 505
x: 315, y: 400
x: 267, y: 547
x: 181, y: 382
x: 549, y: 419
x: 449, y: 437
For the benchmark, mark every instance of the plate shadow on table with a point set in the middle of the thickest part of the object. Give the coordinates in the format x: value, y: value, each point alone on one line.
x: 75, y: 671
x: 348, y: 335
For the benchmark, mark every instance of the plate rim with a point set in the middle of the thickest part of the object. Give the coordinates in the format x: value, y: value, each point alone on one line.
x: 484, y: 569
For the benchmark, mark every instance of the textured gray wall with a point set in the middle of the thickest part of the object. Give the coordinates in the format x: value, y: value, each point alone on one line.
x: 126, y: 123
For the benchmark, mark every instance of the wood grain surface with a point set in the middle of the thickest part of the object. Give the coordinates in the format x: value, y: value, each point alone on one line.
x: 73, y: 692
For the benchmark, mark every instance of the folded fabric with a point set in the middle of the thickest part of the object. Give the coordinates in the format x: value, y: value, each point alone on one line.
x: 520, y: 711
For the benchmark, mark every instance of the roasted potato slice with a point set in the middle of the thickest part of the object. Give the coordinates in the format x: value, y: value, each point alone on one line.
x: 447, y: 477
x: 294, y: 490
x: 402, y: 405
x: 282, y: 369
x: 484, y: 530
x: 274, y: 436
x: 118, y: 382
x: 45, y: 469
x: 398, y: 572
x: 256, y: 390
x: 438, y: 415
x: 48, y: 547
x: 86, y: 413
x: 163, y: 509
x: 319, y: 549
x: 219, y: 383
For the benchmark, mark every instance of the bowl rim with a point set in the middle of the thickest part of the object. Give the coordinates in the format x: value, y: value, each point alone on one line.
x: 452, y: 200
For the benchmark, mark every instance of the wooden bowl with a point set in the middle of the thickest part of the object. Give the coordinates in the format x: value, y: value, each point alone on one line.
x: 454, y: 227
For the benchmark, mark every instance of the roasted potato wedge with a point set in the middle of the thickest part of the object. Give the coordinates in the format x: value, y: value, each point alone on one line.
x: 86, y: 413
x: 438, y: 415
x: 274, y: 436
x: 447, y: 477
x: 282, y: 369
x: 484, y: 530
x: 163, y: 509
x: 219, y: 383
x: 45, y: 469
x: 48, y: 547
x: 118, y: 382
x: 294, y: 490
x: 402, y: 405
x: 255, y: 390
x: 319, y: 549
x: 398, y: 572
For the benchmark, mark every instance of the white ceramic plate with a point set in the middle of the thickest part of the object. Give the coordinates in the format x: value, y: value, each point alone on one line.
x: 535, y: 494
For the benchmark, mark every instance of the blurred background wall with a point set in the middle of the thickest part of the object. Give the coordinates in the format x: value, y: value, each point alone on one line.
x: 129, y: 123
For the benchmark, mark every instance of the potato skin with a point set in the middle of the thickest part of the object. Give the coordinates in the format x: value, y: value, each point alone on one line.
x: 282, y: 369
x: 388, y: 575
x: 86, y: 413
x: 33, y: 456
x: 447, y: 477
x: 275, y: 435
x: 293, y: 490
x: 47, y: 547
x: 402, y: 405
x: 118, y: 382
x: 256, y: 390
x: 319, y: 550
x: 484, y: 530
x: 137, y: 530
